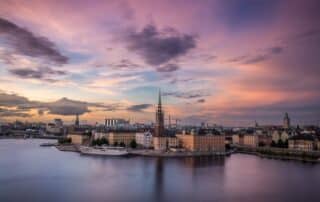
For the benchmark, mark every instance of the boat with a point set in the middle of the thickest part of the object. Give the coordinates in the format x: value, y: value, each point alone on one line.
x: 48, y: 144
x: 103, y: 151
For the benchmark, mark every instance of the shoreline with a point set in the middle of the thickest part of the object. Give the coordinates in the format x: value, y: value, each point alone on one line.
x: 281, y: 154
x: 151, y: 153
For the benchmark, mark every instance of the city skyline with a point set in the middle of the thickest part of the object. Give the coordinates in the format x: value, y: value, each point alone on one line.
x: 228, y: 63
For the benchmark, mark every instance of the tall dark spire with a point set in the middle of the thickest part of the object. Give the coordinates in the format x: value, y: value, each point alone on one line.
x: 159, y: 126
x: 77, y: 123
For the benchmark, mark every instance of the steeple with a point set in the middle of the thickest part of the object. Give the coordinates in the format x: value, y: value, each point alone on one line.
x: 159, y: 101
x: 286, y: 121
x: 159, y: 126
x: 77, y: 120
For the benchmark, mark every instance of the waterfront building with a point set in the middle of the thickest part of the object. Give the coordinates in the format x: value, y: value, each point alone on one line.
x: 144, y: 139
x: 236, y: 139
x: 302, y: 142
x: 286, y: 121
x: 204, y: 140
x: 54, y: 129
x: 121, y: 136
x: 78, y: 138
x: 250, y: 140
x: 282, y: 135
x: 264, y: 140
x: 246, y: 138
x: 164, y: 143
x: 100, y: 135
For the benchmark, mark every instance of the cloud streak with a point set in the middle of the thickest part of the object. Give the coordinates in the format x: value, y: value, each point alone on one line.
x: 24, y: 42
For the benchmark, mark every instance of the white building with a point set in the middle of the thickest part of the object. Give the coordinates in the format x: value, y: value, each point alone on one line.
x: 144, y: 139
x: 100, y: 135
x: 111, y: 123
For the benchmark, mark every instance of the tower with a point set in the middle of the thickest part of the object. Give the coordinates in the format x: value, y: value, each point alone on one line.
x: 76, y: 123
x: 159, y: 126
x: 286, y: 121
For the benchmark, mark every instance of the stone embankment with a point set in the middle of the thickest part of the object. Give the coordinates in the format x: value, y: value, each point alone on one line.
x: 281, y: 153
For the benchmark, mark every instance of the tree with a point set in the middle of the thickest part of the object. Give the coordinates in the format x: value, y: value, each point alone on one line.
x: 104, y: 141
x: 273, y: 144
x: 115, y: 144
x: 64, y: 140
x: 280, y: 143
x: 122, y: 144
x: 133, y: 144
x: 261, y: 144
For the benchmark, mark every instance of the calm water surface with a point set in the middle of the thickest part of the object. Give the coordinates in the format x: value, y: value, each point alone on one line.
x: 32, y: 173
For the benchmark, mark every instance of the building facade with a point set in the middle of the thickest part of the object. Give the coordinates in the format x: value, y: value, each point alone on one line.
x: 302, y: 142
x: 112, y: 123
x: 118, y: 137
x: 202, y: 143
x: 144, y: 139
x: 165, y: 143
x: 78, y: 138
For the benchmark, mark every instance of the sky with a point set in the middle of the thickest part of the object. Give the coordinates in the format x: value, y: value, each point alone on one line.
x: 224, y: 62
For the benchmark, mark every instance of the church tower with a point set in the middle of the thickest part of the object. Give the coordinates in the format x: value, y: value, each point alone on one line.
x: 286, y: 121
x: 77, y: 123
x: 159, y: 126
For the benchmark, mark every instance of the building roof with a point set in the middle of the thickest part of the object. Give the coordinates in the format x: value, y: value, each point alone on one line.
x: 305, y: 136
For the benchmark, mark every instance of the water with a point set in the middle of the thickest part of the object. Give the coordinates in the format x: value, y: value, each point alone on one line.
x: 32, y: 173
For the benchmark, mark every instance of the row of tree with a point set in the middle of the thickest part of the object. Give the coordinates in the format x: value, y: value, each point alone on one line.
x: 104, y: 141
x: 280, y: 144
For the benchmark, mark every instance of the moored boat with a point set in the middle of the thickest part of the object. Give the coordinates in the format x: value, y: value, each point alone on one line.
x: 103, y: 151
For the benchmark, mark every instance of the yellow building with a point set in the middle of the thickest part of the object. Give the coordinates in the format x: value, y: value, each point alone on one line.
x: 164, y: 143
x: 250, y: 140
x: 78, y: 138
x: 209, y: 142
x: 121, y: 136
x: 302, y: 142
x: 236, y: 139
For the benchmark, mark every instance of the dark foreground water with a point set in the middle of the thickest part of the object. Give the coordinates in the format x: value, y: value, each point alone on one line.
x: 32, y: 173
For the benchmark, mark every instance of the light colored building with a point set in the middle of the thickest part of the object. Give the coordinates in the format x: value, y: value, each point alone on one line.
x: 276, y: 136
x: 284, y: 136
x: 236, y: 139
x: 144, y: 139
x: 202, y: 142
x: 164, y: 143
x: 78, y: 139
x: 116, y: 122
x: 100, y: 135
x: 118, y: 137
x: 54, y: 129
x: 302, y: 142
x: 250, y: 140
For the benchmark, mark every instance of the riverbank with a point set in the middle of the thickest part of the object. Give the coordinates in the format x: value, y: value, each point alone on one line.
x: 281, y: 154
x: 150, y: 153
x: 68, y: 148
x: 153, y: 153
x: 50, y: 137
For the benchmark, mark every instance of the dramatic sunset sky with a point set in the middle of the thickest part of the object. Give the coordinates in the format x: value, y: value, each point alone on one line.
x: 228, y: 62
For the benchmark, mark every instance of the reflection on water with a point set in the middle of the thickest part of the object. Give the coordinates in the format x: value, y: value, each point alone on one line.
x: 32, y: 173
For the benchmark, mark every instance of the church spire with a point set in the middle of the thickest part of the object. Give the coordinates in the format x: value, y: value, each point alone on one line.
x: 159, y: 102
x: 159, y: 126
